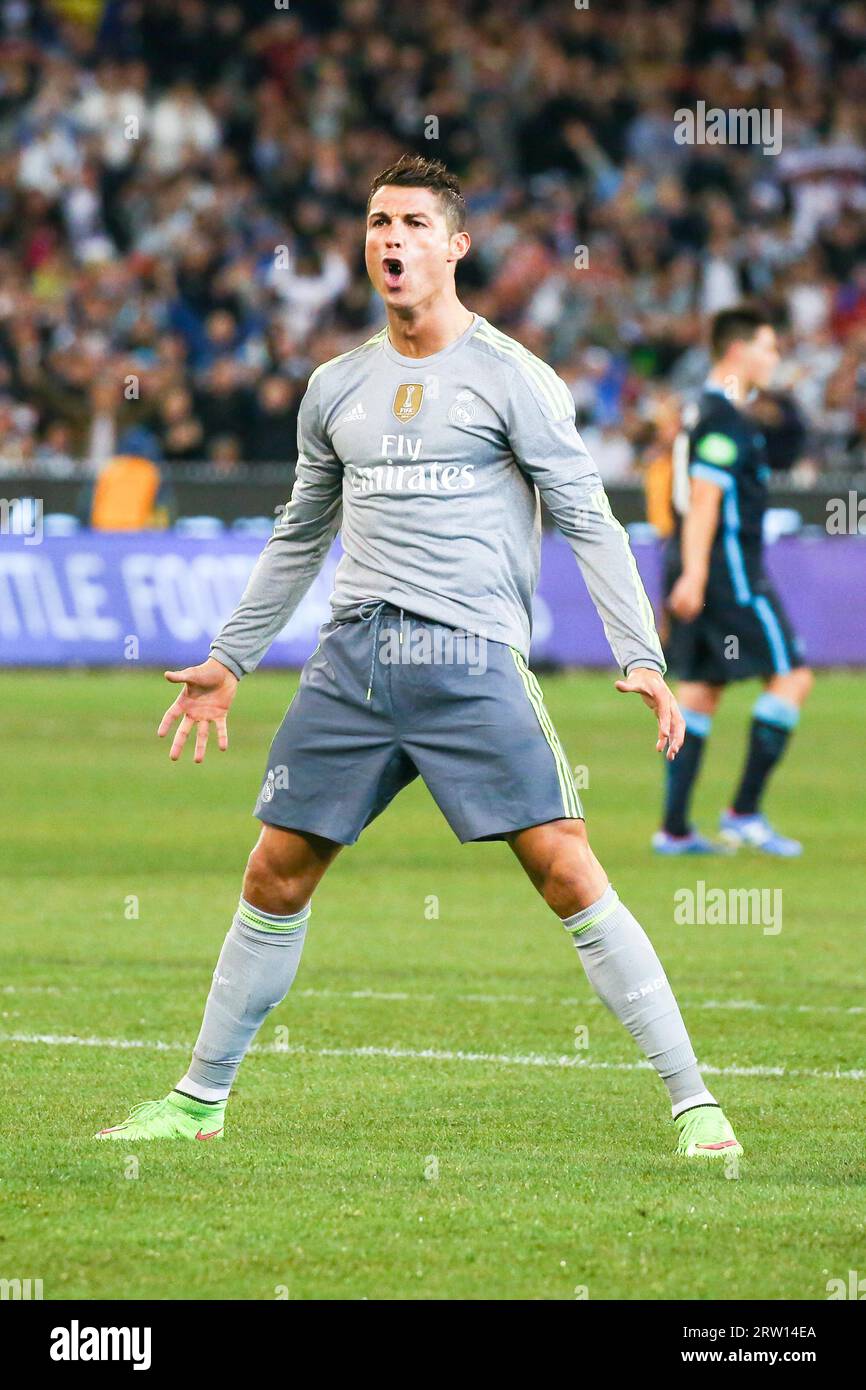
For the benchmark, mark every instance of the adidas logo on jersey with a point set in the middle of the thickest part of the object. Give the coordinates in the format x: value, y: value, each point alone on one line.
x: 356, y: 413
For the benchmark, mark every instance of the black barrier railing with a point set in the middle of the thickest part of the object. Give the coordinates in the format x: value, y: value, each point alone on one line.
x: 261, y: 491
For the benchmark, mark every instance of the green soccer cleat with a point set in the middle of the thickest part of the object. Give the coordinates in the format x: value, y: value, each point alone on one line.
x: 705, y: 1133
x: 175, y: 1117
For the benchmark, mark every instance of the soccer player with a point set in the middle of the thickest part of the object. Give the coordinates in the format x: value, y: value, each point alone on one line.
x: 430, y: 444
x: 727, y: 620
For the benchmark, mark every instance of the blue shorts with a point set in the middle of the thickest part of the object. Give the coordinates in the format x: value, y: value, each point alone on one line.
x: 391, y: 696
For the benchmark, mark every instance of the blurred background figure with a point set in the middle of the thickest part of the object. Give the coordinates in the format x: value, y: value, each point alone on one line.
x: 129, y: 494
x: 664, y: 420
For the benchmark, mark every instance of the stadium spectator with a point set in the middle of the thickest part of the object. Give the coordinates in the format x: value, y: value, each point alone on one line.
x: 224, y: 451
x: 662, y: 427
x: 129, y: 493
x: 223, y: 401
x: 180, y: 432
x: 273, y: 423
x: 181, y: 186
x: 53, y: 456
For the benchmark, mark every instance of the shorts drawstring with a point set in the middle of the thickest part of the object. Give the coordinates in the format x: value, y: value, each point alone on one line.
x: 374, y: 611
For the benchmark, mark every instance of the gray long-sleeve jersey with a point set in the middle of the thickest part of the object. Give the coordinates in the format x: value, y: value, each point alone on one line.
x: 433, y: 466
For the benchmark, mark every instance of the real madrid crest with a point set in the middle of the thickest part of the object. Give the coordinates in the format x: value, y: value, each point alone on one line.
x: 462, y: 412
x: 407, y: 401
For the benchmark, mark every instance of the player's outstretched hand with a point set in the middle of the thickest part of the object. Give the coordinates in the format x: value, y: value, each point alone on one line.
x: 653, y: 691
x: 208, y: 691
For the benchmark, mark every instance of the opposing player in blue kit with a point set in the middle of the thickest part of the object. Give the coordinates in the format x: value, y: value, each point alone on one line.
x: 431, y: 446
x: 727, y: 621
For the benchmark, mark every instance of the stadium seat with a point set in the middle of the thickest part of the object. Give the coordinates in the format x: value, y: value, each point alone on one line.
x: 60, y: 524
x: 781, y: 521
x: 201, y: 526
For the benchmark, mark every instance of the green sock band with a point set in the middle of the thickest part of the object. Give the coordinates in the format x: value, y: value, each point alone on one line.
x: 580, y: 922
x: 267, y: 921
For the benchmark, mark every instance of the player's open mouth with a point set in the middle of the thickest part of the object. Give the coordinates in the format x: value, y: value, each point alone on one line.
x: 393, y: 268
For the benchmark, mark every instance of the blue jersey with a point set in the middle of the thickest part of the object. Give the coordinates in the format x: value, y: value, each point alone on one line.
x: 727, y: 448
x: 742, y: 630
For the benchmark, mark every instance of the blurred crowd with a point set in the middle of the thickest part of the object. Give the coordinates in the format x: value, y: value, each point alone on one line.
x: 183, y: 182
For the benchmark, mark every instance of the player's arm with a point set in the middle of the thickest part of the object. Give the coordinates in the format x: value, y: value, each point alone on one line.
x: 549, y: 450
x: 686, y: 598
x: 283, y: 573
x: 714, y: 457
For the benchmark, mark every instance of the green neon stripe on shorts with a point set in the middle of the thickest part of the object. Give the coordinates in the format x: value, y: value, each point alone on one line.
x: 570, y: 799
x: 251, y: 918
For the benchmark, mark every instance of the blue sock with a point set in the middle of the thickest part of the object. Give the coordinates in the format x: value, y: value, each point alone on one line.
x: 683, y: 771
x: 773, y: 722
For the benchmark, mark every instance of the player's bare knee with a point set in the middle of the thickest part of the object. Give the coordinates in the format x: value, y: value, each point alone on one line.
x: 699, y: 696
x: 572, y: 874
x: 805, y: 681
x: 794, y: 686
x: 561, y: 889
x: 271, y: 886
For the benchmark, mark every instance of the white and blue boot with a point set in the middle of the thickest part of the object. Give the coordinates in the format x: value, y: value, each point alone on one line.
x: 755, y: 832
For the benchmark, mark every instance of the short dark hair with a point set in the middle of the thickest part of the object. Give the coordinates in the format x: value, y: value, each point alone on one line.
x: 739, y: 324
x: 414, y: 171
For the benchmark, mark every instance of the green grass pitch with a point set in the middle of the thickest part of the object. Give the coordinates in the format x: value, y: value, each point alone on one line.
x: 484, y: 1169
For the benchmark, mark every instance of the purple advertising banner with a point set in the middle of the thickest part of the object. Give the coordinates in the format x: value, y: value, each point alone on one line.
x: 158, y: 599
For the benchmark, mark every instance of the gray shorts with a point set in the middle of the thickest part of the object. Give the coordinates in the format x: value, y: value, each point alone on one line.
x: 390, y: 696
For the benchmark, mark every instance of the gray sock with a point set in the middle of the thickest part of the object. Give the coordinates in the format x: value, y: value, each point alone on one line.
x: 254, y: 973
x: 628, y: 977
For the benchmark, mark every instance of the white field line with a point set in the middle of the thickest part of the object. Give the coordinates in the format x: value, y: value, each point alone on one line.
x: 403, y: 996
x: 429, y: 1054
x: 735, y: 1005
